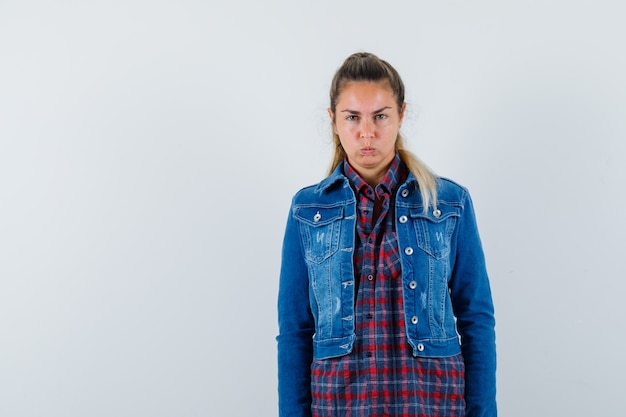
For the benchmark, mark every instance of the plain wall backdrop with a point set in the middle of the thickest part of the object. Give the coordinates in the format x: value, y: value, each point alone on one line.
x: 149, y: 151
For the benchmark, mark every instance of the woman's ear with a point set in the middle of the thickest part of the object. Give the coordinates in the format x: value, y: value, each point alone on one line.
x: 332, y: 119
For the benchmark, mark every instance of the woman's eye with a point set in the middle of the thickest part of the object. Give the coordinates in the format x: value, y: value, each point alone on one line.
x: 351, y: 118
x: 381, y: 116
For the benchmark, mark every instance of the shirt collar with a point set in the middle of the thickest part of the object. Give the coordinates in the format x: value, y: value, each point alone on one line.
x: 391, y: 180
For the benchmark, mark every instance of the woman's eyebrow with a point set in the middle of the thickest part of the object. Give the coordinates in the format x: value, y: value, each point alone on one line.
x: 358, y: 112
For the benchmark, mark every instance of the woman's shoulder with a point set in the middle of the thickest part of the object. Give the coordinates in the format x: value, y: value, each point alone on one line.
x: 450, y: 190
x: 329, y: 190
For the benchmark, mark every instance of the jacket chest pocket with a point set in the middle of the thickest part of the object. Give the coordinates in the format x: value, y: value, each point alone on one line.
x: 434, y: 230
x: 320, y: 229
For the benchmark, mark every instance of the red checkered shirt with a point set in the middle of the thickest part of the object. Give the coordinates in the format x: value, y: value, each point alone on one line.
x: 381, y: 377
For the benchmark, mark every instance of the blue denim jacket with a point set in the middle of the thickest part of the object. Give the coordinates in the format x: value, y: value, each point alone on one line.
x: 447, y: 300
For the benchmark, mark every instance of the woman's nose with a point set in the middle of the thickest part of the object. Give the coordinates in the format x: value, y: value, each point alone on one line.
x: 367, y: 130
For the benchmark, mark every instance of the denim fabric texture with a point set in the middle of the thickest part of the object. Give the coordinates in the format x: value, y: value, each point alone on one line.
x: 447, y: 299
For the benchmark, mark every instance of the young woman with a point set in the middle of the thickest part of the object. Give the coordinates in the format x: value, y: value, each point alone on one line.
x: 384, y: 304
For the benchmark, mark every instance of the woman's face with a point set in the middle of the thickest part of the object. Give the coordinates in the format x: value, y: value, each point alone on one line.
x: 367, y: 121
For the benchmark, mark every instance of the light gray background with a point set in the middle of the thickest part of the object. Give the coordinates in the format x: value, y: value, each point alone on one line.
x: 149, y: 151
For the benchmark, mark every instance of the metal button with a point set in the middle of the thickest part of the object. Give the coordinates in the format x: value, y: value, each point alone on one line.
x: 408, y: 251
x: 414, y: 320
x: 370, y: 277
x: 412, y: 285
x: 403, y: 219
x: 420, y: 347
x: 404, y: 193
x: 437, y: 213
x: 317, y: 217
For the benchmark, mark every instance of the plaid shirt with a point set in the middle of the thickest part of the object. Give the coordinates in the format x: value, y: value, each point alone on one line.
x: 381, y: 377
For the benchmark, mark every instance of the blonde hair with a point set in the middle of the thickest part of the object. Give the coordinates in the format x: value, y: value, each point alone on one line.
x: 364, y: 66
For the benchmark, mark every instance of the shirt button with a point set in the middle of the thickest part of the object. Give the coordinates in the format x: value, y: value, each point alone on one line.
x: 420, y: 347
x: 412, y: 285
x: 370, y: 277
x: 408, y: 251
x: 404, y: 193
x: 403, y: 219
x: 414, y: 320
x: 437, y: 213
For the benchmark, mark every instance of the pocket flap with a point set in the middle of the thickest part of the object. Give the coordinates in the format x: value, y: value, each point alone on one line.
x: 442, y: 213
x: 318, y: 216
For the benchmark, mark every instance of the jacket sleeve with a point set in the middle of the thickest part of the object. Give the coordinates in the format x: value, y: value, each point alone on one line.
x: 295, y: 328
x: 473, y: 306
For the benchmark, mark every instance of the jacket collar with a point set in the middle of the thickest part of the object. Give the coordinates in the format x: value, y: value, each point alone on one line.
x: 338, y: 176
x: 335, y: 177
